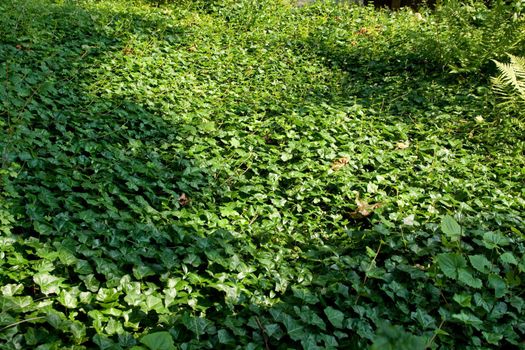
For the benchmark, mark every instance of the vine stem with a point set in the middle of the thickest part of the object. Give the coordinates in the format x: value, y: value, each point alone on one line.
x: 265, y: 337
x: 434, y: 335
x: 369, y: 268
x: 19, y: 322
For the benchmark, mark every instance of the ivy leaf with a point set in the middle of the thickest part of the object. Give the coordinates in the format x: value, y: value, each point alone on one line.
x: 68, y: 299
x: 197, y: 325
x: 294, y: 329
x: 159, y: 341
x: 225, y: 337
x: 309, y: 343
x: 305, y: 295
x: 335, y: 316
x: 48, y: 284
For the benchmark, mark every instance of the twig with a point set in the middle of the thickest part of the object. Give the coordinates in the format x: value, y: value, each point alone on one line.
x: 369, y: 268
x: 265, y: 337
x: 19, y: 322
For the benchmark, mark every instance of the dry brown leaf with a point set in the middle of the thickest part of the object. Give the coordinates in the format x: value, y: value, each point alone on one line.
x: 364, y: 209
x: 128, y: 51
x: 363, y: 31
x: 403, y: 145
x: 339, y: 163
x: 184, y: 200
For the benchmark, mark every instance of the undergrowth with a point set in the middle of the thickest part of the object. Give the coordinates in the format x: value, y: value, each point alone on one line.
x: 255, y: 175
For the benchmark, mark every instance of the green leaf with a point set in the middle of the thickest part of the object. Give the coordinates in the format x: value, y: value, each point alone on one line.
x: 450, y: 228
x: 310, y: 317
x: 225, y: 337
x: 508, y: 258
x: 468, y: 319
x: 463, y: 299
x: 294, y: 329
x: 480, y: 263
x: 335, y: 316
x: 309, y: 343
x: 492, y: 338
x: 158, y: 341
x: 11, y: 289
x: 493, y: 240
x: 467, y: 278
x: 305, y: 295
x: 451, y: 263
x: 48, y: 284
x: 68, y: 299
x: 498, y: 284
x: 197, y: 325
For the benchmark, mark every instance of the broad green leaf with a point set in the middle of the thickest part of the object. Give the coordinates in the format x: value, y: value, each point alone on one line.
x: 305, y: 295
x: 508, y: 258
x: 48, y: 283
x: 158, y: 341
x: 113, y: 327
x: 451, y: 263
x: 68, y: 299
x: 309, y: 343
x: 294, y: 329
x: 450, y: 228
x: 493, y: 240
x: 480, y: 263
x: 197, y: 325
x: 467, y: 278
x: 335, y: 316
x: 103, y: 342
x: 492, y: 338
x: 468, y: 319
x: 424, y: 319
x: 11, y: 289
x: 78, y: 330
x: 152, y: 303
x: 310, y: 317
x: 225, y: 337
x: 498, y: 284
x: 463, y: 299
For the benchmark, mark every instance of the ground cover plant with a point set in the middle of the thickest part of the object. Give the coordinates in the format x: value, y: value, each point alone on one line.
x: 257, y: 175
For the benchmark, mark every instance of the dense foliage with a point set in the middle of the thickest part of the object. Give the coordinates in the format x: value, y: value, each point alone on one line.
x: 252, y: 174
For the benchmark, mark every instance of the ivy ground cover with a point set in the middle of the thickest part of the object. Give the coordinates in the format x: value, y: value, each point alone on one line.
x: 256, y: 175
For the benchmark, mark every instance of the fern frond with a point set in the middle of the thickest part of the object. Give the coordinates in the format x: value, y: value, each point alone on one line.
x: 510, y: 84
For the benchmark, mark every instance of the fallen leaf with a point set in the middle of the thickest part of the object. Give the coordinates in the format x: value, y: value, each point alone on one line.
x: 192, y: 48
x: 184, y: 200
x: 403, y: 145
x: 339, y: 163
x: 362, y: 31
x: 364, y: 209
x: 128, y: 51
